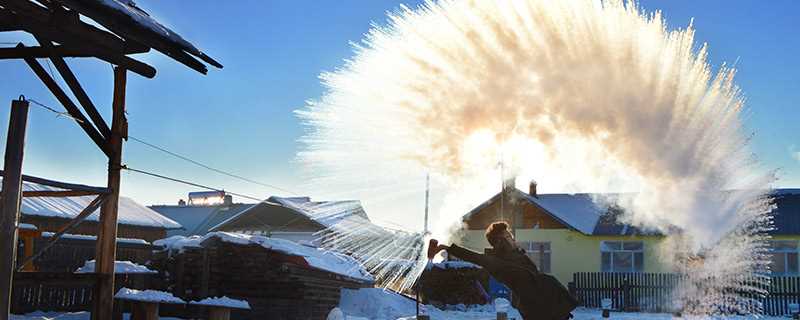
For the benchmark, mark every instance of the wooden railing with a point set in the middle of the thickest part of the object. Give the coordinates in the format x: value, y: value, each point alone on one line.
x: 654, y: 292
x: 63, y: 291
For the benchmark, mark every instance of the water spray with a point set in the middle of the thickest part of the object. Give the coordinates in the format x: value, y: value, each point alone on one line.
x: 600, y: 97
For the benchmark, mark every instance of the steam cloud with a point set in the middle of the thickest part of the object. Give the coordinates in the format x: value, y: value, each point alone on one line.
x: 581, y: 95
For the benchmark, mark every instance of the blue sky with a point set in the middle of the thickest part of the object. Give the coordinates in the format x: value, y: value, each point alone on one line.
x: 240, y: 118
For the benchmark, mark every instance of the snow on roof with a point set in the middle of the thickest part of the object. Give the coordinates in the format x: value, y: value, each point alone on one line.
x: 93, y: 238
x: 129, y: 8
x: 119, y: 267
x: 578, y: 211
x: 316, y: 258
x: 130, y: 212
x: 148, y: 296
x: 223, y: 302
x: 327, y: 213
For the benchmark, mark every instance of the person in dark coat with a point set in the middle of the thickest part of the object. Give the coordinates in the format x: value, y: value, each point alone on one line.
x: 537, y: 296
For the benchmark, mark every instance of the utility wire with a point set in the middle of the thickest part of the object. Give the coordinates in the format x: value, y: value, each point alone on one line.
x: 209, y: 167
x: 162, y: 149
x: 59, y: 113
x: 125, y: 167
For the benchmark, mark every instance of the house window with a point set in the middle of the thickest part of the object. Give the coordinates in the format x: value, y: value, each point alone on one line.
x: 622, y: 256
x: 784, y: 258
x: 539, y: 252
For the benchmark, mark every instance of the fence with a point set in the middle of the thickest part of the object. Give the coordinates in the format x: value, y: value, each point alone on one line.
x: 62, y: 291
x: 69, y: 254
x: 654, y: 292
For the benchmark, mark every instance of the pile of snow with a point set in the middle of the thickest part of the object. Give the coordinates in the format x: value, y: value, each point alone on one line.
x: 376, y: 303
x: 119, y: 267
x: 94, y: 238
x: 27, y: 226
x: 84, y: 315
x: 380, y: 304
x: 453, y: 264
x: 147, y: 296
x: 317, y: 258
x: 223, y: 302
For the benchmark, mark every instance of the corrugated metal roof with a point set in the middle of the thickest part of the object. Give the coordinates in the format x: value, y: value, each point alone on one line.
x: 130, y: 212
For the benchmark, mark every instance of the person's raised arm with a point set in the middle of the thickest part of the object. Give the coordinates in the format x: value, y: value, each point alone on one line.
x: 461, y: 253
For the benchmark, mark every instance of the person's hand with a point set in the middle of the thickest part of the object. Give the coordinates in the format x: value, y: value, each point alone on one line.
x: 434, y: 247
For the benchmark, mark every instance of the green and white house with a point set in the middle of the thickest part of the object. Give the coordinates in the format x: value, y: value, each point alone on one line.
x: 569, y: 233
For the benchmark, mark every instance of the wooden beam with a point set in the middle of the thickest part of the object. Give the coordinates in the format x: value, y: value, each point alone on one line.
x: 62, y: 185
x: 86, y: 212
x: 64, y: 27
x: 73, y: 110
x: 40, y: 52
x: 69, y: 31
x: 105, y: 252
x: 128, y: 28
x: 11, y: 198
x: 58, y: 193
x: 75, y: 87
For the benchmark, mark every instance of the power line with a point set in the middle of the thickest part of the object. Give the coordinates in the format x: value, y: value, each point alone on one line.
x: 125, y: 167
x: 162, y: 149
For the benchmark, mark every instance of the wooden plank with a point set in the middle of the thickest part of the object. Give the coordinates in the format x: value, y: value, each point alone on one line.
x: 107, y: 235
x: 58, y: 194
x: 96, y: 202
x: 11, y: 198
x: 61, y: 185
x: 70, y: 51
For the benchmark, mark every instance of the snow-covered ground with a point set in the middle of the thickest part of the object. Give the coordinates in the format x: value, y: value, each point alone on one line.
x: 379, y: 304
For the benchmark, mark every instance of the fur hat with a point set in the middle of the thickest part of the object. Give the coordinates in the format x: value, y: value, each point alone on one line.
x: 496, y: 229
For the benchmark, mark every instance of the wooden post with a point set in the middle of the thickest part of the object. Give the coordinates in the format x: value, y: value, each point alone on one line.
x: 105, y: 252
x: 219, y: 313
x: 10, y: 201
x: 144, y: 310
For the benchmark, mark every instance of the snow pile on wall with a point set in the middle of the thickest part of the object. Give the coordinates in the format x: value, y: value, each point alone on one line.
x: 223, y: 302
x: 147, y: 296
x: 119, y: 267
x: 316, y: 258
x: 94, y: 238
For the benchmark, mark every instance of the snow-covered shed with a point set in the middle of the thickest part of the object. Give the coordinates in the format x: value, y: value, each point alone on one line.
x: 280, y: 279
x: 49, y: 214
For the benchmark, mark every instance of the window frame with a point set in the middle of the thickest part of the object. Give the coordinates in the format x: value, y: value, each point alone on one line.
x: 784, y: 252
x: 532, y: 247
x: 604, y: 248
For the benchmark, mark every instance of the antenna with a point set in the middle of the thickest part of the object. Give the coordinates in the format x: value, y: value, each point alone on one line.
x: 427, y: 198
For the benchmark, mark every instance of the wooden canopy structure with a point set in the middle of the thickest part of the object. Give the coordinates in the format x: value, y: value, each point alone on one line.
x: 63, y: 29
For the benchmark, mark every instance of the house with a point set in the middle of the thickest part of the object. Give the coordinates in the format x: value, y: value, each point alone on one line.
x: 568, y: 233
x: 49, y: 214
x: 291, y: 218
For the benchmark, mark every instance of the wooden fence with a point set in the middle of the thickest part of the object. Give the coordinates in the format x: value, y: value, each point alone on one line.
x: 69, y: 254
x: 63, y: 291
x: 654, y: 292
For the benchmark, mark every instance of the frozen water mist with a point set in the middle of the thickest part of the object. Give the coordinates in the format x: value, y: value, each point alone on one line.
x: 590, y: 96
